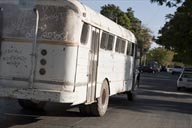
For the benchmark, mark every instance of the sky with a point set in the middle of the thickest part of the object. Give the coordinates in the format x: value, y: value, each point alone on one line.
x: 151, y: 15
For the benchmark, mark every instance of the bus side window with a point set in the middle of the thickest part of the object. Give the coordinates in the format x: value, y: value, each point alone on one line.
x: 129, y: 48
x: 133, y: 49
x: 104, y: 40
x: 123, y: 43
x: 85, y: 33
x: 118, y: 45
x: 110, y: 42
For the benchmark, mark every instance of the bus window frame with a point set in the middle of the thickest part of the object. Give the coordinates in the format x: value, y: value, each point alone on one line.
x: 103, y: 46
x: 112, y: 44
x: 105, y: 42
x: 132, y: 49
x: 119, y: 48
x: 129, y: 48
x: 117, y: 45
x: 123, y: 46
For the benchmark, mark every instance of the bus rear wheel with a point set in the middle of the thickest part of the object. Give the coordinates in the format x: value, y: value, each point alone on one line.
x: 100, y: 107
x: 31, y: 105
x: 130, y: 95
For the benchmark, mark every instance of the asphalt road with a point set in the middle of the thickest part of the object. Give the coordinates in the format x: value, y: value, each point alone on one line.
x: 157, y: 105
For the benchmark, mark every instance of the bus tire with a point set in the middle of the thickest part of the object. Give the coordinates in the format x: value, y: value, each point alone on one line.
x: 130, y: 95
x: 31, y: 105
x: 100, y: 107
x: 85, y: 110
x: 137, y: 83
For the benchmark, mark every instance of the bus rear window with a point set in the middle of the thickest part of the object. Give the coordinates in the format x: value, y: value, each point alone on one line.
x: 17, y: 23
x: 21, y: 23
x: 53, y: 20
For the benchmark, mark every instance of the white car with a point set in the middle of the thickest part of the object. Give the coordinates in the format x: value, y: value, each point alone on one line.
x: 177, y: 70
x: 185, y: 79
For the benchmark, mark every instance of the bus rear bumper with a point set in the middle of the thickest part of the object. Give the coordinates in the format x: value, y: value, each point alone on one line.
x: 37, y: 94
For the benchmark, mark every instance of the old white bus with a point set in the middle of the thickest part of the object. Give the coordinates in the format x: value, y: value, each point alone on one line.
x: 62, y: 51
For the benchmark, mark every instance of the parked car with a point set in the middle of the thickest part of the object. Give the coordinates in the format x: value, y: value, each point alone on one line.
x: 185, y: 79
x: 177, y: 70
x: 149, y: 69
x: 169, y: 69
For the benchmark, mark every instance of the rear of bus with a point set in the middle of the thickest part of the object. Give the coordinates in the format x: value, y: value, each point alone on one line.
x: 38, y: 50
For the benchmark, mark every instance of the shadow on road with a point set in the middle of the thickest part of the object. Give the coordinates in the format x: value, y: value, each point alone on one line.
x: 157, y: 92
x: 160, y: 81
x: 147, y: 104
x: 11, y: 114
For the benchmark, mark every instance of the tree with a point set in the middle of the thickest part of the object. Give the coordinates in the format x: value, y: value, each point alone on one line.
x: 142, y: 33
x: 177, y: 33
x: 169, y: 3
x: 115, y: 14
x: 135, y: 22
x: 161, y: 55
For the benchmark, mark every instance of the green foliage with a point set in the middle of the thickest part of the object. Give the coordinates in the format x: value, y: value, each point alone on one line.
x: 177, y: 33
x: 161, y: 55
x: 142, y: 33
x: 116, y: 14
x: 169, y: 3
x: 129, y: 21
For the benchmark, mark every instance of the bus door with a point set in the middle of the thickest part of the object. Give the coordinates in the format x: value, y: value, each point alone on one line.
x: 18, y: 40
x: 93, y: 62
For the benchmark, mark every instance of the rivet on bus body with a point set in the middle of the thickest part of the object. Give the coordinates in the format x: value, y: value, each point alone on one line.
x: 44, y: 52
x: 43, y: 62
x: 42, y: 71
